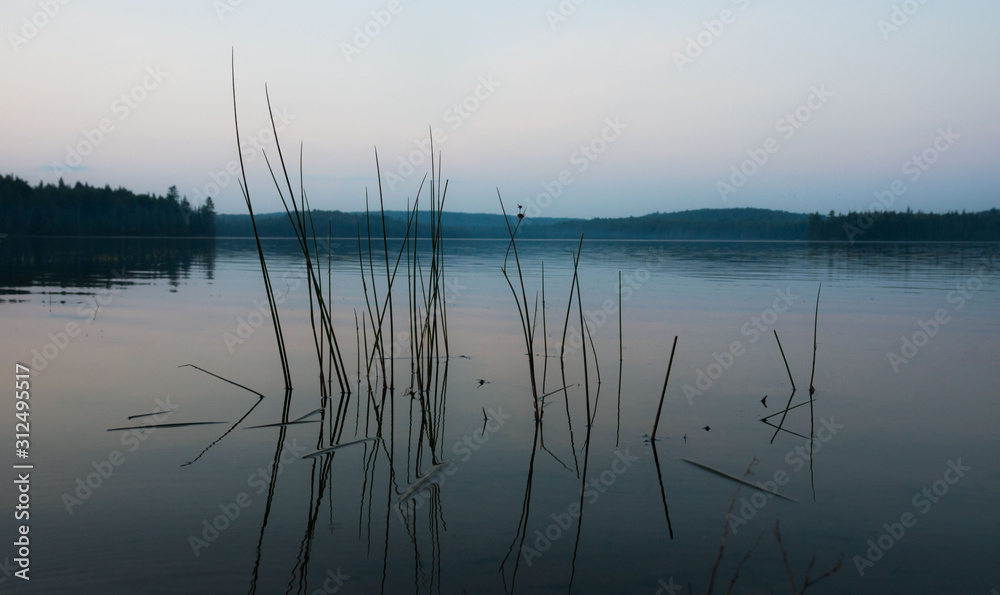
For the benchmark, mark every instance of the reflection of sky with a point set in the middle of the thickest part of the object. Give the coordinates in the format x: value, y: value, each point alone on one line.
x: 556, y: 89
x: 899, y: 431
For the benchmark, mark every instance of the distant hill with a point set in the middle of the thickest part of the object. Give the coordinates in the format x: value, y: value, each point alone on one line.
x: 700, y: 224
x: 703, y: 224
x: 81, y: 209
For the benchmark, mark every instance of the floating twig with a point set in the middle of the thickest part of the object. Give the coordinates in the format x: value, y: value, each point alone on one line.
x: 737, y: 479
x: 337, y: 446
x: 180, y: 425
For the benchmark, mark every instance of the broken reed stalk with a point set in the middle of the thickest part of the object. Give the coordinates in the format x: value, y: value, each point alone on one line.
x: 659, y: 409
x: 221, y: 378
x: 789, y: 370
x: 812, y: 377
x: 245, y: 191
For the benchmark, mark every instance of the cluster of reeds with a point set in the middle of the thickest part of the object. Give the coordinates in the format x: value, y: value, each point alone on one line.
x: 426, y: 333
x: 377, y: 349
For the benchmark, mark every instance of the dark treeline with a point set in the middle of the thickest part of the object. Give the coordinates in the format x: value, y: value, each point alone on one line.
x: 278, y: 225
x: 350, y: 225
x: 888, y: 226
x: 84, y: 210
x: 702, y: 224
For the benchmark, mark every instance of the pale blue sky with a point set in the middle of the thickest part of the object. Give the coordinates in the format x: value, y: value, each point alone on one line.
x: 545, y: 88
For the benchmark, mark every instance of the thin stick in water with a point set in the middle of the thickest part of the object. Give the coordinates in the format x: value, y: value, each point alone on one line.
x: 659, y: 409
x: 812, y: 389
x: 621, y: 361
x: 789, y: 370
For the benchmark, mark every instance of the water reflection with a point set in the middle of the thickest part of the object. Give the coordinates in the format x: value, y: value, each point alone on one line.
x: 436, y: 489
x: 29, y: 262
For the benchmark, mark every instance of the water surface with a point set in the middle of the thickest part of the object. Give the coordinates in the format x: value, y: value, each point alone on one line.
x: 105, y: 325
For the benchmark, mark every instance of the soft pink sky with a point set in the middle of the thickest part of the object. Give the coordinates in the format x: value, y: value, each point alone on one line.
x: 535, y: 90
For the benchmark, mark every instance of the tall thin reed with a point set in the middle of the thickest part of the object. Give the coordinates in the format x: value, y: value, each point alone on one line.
x: 621, y: 365
x: 569, y: 306
x: 545, y: 334
x: 522, y: 312
x: 388, y: 279
x: 583, y: 340
x: 298, y: 218
x: 269, y: 291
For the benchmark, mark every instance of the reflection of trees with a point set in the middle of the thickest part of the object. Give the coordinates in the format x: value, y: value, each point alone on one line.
x: 100, y: 262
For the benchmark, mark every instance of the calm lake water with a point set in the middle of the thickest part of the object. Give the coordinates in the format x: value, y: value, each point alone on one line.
x: 901, y: 477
